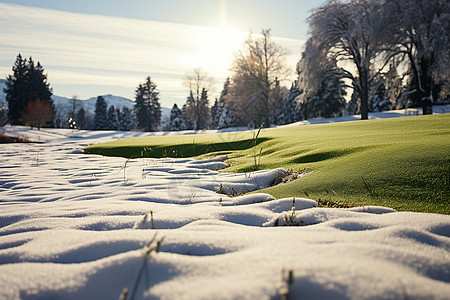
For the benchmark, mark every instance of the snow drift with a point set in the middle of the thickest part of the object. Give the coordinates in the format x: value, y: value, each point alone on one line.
x: 76, y: 226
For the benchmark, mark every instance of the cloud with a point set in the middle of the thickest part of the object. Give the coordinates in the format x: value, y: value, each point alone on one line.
x: 95, y: 52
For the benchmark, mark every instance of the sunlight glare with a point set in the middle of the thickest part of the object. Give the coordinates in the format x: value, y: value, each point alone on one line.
x: 217, y: 46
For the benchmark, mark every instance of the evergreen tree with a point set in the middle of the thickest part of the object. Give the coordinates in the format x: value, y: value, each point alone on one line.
x: 226, y: 119
x: 126, y: 119
x: 217, y: 109
x: 188, y: 111
x: 278, y: 99
x: 394, y: 86
x: 327, y: 102
x: 101, y: 115
x: 215, y: 113
x: 147, y: 108
x: 3, y: 116
x: 291, y: 114
x: 113, y: 118
x: 176, y: 119
x: 353, y: 104
x: 203, y: 110
x: 379, y: 101
x: 28, y: 83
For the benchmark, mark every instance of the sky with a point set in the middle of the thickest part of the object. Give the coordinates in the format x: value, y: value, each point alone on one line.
x: 91, y: 48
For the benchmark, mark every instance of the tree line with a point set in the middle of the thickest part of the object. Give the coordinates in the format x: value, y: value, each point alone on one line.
x: 362, y: 56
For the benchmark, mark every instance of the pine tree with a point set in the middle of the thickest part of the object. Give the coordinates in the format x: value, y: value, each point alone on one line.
x: 126, y: 119
x: 278, y: 99
x: 147, y: 108
x: 113, y: 118
x: 379, y: 101
x: 226, y: 119
x: 188, y: 111
x: 353, y: 104
x: 101, y: 115
x: 203, y: 110
x: 327, y: 102
x: 216, y: 110
x: 290, y: 111
x: 176, y: 119
x: 28, y: 83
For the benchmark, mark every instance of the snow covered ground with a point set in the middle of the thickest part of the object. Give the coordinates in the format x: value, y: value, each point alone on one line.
x: 77, y: 226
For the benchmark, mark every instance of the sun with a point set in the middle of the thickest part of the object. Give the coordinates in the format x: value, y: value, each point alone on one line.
x: 217, y: 45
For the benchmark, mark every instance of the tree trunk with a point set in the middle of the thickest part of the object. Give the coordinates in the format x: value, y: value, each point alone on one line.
x: 364, y: 96
x: 427, y: 106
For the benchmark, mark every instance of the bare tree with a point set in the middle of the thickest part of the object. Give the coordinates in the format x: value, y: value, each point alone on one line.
x: 257, y: 69
x: 352, y: 34
x: 422, y: 35
x: 75, y: 103
x: 196, y: 109
x: 37, y: 113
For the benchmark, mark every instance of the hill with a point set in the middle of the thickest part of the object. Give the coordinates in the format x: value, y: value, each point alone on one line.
x: 400, y: 163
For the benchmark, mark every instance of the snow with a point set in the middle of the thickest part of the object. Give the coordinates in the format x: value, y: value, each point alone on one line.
x: 77, y: 226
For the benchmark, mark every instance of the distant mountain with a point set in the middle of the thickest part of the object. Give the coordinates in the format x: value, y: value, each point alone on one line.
x: 64, y: 105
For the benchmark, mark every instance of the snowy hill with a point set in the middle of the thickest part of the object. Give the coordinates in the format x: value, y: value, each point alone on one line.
x: 63, y: 105
x: 77, y: 226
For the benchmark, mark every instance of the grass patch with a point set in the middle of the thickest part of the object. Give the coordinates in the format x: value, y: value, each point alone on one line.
x: 403, y: 163
x: 176, y: 146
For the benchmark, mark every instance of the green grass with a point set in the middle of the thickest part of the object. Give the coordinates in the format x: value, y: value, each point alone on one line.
x: 403, y: 163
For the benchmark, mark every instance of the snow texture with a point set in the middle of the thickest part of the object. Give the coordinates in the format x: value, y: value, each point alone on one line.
x: 76, y: 226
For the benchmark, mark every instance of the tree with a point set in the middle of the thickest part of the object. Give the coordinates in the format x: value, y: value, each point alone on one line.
x: 37, y: 113
x: 81, y: 119
x: 327, y: 102
x: 278, y: 99
x: 75, y: 103
x: 126, y: 119
x: 176, y: 119
x: 215, y: 112
x: 353, y: 32
x: 3, y: 116
x: 27, y: 83
x: 379, y: 101
x: 218, y: 107
x: 113, y: 118
x: 291, y: 113
x: 101, y: 115
x: 323, y: 88
x: 196, y: 109
x: 353, y: 104
x: 422, y: 34
x: 256, y: 70
x: 188, y: 112
x: 394, y: 87
x: 147, y: 108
